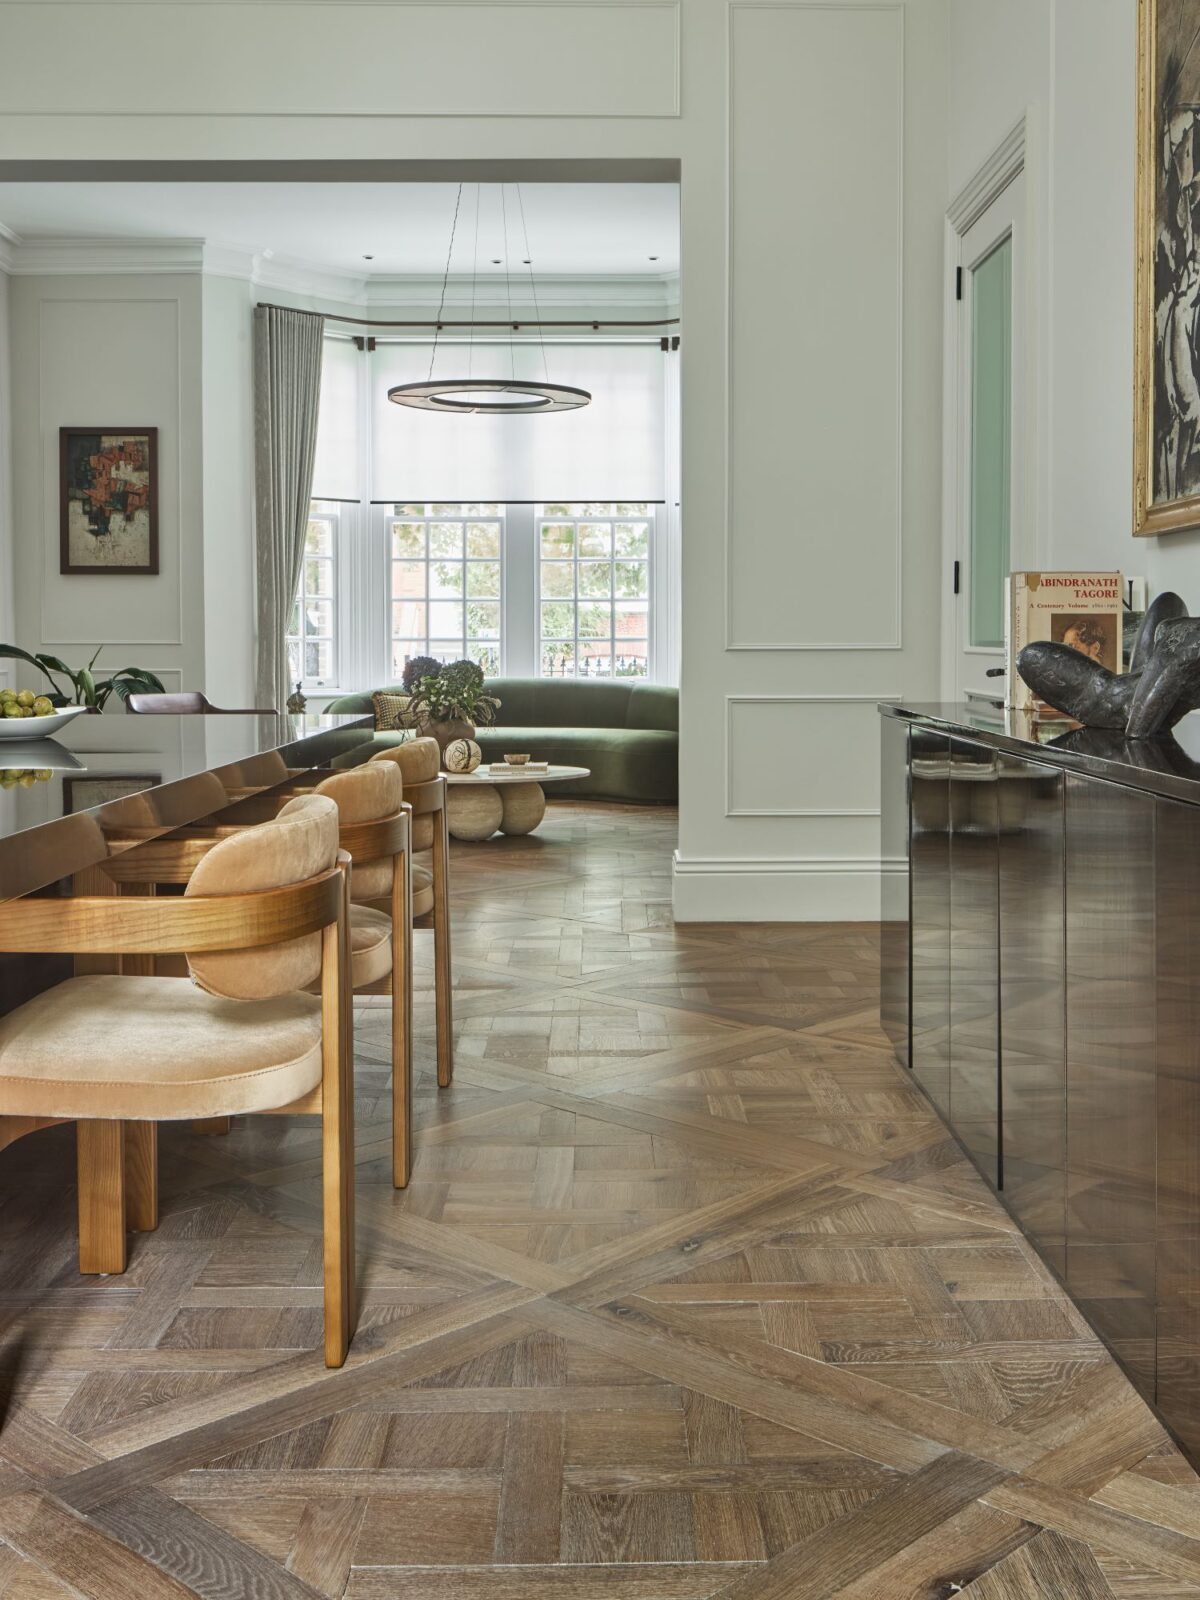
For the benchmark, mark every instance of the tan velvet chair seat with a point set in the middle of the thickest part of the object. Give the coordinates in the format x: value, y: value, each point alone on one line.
x: 370, y: 946
x: 422, y: 832
x: 155, y: 1049
x: 373, y: 881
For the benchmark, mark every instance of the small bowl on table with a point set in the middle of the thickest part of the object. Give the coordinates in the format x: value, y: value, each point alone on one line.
x: 517, y: 761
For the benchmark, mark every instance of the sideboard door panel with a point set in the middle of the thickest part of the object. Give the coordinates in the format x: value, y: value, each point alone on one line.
x: 1111, y: 1129
x: 1033, y: 1014
x: 894, y: 906
x: 1178, y: 1253
x: 930, y: 890
x: 974, y: 956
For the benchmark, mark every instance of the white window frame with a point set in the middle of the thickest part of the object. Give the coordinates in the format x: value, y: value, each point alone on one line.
x: 340, y: 516
x: 384, y: 515
x: 576, y: 516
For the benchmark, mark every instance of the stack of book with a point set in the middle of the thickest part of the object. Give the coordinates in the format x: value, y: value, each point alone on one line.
x: 1084, y: 610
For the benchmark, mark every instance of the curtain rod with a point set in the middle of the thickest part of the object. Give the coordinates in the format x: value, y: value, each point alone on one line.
x: 524, y: 322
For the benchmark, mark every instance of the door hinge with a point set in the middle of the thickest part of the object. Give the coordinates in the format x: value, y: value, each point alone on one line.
x: 958, y: 577
x: 958, y: 283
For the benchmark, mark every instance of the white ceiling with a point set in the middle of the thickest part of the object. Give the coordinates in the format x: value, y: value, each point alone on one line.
x: 587, y: 229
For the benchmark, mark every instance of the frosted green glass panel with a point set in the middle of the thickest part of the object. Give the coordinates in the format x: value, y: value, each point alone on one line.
x: 991, y: 442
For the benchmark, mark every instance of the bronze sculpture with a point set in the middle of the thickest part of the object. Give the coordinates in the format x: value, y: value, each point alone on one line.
x: 1161, y: 687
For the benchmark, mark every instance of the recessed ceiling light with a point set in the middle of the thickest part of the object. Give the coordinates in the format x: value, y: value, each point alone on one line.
x: 497, y: 261
x: 368, y: 258
x: 651, y: 258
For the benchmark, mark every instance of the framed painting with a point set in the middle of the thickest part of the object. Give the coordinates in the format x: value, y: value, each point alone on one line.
x: 108, y: 500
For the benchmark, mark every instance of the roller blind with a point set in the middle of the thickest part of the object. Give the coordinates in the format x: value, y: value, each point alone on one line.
x: 336, y: 464
x: 612, y: 449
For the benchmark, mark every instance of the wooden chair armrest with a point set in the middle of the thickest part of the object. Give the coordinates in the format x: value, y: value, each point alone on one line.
x: 426, y: 797
x: 371, y: 841
x: 153, y: 925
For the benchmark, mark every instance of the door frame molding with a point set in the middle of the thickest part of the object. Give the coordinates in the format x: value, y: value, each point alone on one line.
x: 1007, y: 162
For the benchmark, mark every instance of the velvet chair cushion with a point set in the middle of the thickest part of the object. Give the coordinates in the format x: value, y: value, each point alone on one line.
x: 422, y: 831
x: 301, y: 843
x: 155, y: 1049
x: 370, y: 946
x: 419, y: 760
x: 367, y: 794
x: 372, y: 885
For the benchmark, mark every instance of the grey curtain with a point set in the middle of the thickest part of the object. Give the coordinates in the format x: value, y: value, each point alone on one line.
x: 287, y: 393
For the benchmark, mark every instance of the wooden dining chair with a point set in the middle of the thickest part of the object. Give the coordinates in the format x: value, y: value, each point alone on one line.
x: 374, y: 834
x: 189, y: 703
x: 419, y: 763
x: 263, y: 918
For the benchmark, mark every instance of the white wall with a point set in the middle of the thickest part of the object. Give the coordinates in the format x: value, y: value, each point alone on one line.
x: 811, y: 141
x: 228, y: 420
x: 122, y: 352
x: 1071, y: 65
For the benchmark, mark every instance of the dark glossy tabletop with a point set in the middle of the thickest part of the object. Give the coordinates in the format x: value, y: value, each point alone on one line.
x: 107, y: 782
x: 1168, y: 765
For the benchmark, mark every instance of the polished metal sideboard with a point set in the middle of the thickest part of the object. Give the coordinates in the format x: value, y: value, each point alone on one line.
x: 1041, y: 980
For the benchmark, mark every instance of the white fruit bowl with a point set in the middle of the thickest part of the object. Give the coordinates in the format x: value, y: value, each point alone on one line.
x: 39, y: 727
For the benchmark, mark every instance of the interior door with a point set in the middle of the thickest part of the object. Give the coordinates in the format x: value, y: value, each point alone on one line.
x: 990, y: 422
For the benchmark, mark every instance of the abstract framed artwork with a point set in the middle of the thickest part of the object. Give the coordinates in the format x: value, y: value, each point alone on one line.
x: 108, y: 500
x: 1167, y: 355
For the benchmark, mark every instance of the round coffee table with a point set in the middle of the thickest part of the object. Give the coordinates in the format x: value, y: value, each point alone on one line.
x: 482, y: 803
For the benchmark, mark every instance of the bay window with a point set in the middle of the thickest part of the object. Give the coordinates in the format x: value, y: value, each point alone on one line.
x: 538, y: 586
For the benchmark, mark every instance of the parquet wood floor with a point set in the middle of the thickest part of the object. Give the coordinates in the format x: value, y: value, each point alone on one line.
x: 691, y: 1296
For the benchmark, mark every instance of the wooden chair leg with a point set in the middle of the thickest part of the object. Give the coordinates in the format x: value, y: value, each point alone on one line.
x: 337, y: 1137
x: 443, y: 972
x: 402, y: 1060
x: 141, y: 1176
x: 100, y: 1162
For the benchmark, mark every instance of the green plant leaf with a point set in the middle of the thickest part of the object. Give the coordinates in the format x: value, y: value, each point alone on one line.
x: 12, y: 653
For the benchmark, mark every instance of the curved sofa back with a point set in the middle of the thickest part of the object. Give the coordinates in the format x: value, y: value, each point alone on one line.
x: 565, y: 703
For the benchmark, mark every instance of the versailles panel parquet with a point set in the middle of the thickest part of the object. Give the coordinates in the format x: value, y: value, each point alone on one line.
x: 691, y: 1296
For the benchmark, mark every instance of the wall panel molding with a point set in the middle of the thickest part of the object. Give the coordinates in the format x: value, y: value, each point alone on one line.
x: 743, y: 760
x: 170, y: 448
x: 460, y: 58
x: 782, y: 481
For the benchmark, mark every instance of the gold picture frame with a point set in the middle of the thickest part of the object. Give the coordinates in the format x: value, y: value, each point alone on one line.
x: 1166, y: 468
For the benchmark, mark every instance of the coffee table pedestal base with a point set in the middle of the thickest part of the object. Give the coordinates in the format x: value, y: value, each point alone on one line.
x: 524, y: 807
x: 473, y: 811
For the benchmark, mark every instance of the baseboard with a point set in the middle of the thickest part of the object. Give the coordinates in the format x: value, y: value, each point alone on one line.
x: 814, y: 889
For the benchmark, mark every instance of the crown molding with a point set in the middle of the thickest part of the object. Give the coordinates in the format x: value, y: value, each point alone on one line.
x: 587, y: 293
x: 76, y: 257
x: 493, y: 293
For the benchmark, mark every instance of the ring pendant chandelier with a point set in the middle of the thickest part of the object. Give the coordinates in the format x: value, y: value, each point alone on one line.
x: 499, y: 396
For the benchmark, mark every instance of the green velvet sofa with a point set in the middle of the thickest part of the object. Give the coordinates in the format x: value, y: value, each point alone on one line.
x: 625, y: 731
